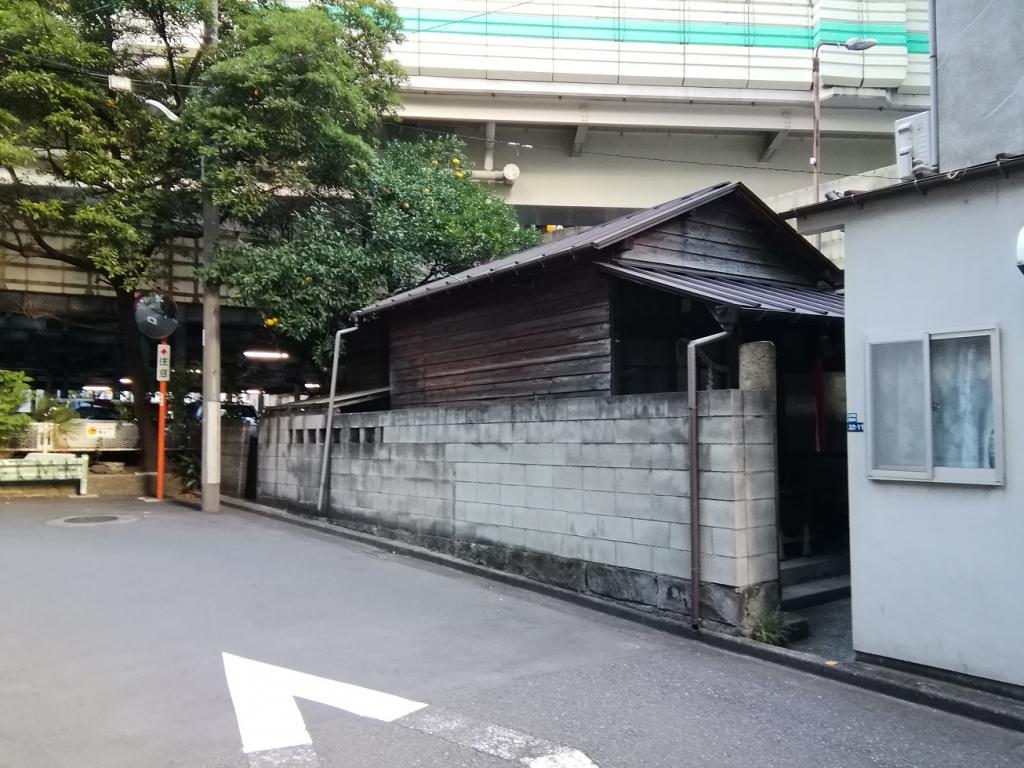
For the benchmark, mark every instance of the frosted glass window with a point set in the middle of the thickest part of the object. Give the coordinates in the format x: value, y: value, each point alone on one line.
x: 898, y: 426
x: 934, y: 412
x: 963, y: 407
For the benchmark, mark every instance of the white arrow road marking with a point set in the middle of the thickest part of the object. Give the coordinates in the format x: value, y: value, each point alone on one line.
x: 269, y: 718
x: 274, y: 734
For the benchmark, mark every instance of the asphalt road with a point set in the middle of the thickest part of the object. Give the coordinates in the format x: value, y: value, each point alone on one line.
x: 111, y: 643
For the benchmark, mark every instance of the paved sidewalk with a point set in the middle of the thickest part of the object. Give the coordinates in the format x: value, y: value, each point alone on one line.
x: 831, y: 631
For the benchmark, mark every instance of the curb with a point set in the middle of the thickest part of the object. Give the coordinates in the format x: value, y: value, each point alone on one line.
x: 948, y: 697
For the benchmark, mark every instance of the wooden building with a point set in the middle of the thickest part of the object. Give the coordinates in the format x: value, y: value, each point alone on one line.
x: 609, y: 310
x: 588, y: 481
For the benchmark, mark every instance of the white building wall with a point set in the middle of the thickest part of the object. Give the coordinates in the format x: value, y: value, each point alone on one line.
x: 638, y: 169
x: 937, y: 568
x: 723, y: 44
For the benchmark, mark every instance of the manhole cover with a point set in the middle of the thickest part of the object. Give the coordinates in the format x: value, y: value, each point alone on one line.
x: 94, y: 520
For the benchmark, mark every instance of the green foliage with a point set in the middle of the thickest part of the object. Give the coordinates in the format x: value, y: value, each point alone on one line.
x: 306, y: 285
x: 294, y: 99
x: 289, y: 101
x: 771, y: 628
x: 417, y: 216
x: 287, y: 106
x: 430, y: 218
x: 184, y: 432
x: 48, y: 410
x: 55, y: 108
x: 14, y: 388
x: 125, y: 410
x: 187, y: 464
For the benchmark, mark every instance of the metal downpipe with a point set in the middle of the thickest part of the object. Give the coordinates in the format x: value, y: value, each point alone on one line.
x: 694, y: 455
x: 933, y: 96
x: 329, y: 419
x: 490, y: 132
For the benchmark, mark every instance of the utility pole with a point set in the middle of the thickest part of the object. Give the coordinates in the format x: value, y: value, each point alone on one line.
x: 211, y: 317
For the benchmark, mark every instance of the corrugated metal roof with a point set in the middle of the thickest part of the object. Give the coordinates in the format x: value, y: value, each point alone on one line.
x: 600, y: 237
x: 741, y: 293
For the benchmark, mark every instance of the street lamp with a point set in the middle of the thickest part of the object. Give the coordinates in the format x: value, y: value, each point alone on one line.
x: 853, y: 44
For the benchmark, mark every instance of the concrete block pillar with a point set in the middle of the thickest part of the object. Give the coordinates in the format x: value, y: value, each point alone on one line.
x: 757, y: 366
x: 758, y: 531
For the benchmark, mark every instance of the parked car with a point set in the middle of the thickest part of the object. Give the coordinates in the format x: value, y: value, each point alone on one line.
x: 98, y: 426
x: 94, y: 426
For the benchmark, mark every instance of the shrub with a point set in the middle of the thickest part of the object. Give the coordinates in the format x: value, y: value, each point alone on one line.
x: 771, y: 629
x: 14, y: 388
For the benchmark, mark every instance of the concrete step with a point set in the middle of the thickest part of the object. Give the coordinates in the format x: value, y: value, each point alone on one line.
x: 798, y: 570
x: 815, y: 592
x: 797, y: 628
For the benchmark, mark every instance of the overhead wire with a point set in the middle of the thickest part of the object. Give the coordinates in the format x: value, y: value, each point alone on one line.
x: 704, y: 163
x: 99, y: 76
x: 469, y: 137
x: 473, y: 16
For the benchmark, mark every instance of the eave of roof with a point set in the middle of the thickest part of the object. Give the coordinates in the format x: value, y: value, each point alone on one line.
x: 341, y: 399
x: 1000, y: 166
x: 744, y: 294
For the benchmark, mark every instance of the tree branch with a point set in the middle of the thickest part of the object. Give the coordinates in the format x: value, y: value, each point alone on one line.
x: 16, y: 247
x: 48, y: 251
x: 160, y: 23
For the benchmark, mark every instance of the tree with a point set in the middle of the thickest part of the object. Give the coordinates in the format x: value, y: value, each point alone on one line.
x: 289, y: 102
x: 416, y: 216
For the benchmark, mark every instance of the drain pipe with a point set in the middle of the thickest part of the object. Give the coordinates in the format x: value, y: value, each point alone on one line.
x: 933, y: 96
x: 329, y: 418
x: 508, y: 174
x: 490, y: 132
x: 694, y: 451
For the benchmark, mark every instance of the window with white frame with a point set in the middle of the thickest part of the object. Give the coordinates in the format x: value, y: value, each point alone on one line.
x: 934, y: 409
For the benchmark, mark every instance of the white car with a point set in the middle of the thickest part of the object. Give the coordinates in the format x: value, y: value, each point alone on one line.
x: 97, y: 428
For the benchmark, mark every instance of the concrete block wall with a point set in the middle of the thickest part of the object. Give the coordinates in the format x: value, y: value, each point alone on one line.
x: 597, y: 481
x: 234, y: 456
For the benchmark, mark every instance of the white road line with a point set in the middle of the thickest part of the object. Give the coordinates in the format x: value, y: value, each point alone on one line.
x: 290, y: 757
x: 494, y: 740
x: 274, y: 734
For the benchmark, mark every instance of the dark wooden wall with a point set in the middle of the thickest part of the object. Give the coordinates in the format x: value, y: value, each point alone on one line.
x: 365, y: 365
x: 543, y: 334
x: 650, y: 331
x: 724, y: 237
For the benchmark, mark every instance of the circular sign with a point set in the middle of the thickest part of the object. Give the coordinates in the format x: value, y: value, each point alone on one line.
x: 156, y: 315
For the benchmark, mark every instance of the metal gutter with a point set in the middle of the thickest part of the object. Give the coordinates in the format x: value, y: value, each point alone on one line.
x: 1000, y: 166
x: 329, y: 417
x: 694, y: 469
x: 933, y: 91
x: 342, y: 398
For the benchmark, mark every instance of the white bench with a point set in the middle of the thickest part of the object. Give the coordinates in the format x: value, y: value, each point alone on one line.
x: 47, y: 467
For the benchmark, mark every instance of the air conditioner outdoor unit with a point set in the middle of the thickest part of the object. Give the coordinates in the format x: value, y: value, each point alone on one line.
x: 914, y: 146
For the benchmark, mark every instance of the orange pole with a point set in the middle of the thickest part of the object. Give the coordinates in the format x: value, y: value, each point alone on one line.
x: 161, y: 425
